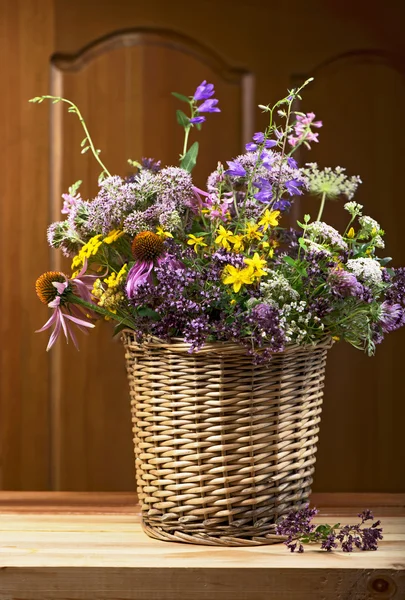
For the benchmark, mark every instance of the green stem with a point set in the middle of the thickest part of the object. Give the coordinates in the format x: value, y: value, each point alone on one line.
x: 99, y: 310
x: 75, y: 109
x: 186, y: 134
x: 318, y: 218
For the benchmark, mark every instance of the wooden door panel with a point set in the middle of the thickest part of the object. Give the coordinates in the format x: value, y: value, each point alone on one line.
x: 361, y: 433
x: 123, y: 89
x: 24, y: 216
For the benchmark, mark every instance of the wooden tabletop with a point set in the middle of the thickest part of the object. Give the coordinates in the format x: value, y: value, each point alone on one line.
x: 82, y: 546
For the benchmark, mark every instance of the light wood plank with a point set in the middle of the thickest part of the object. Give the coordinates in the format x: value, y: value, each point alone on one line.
x: 53, y: 555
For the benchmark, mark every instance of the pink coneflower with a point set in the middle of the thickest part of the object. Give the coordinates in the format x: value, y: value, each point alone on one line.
x: 54, y: 288
x: 148, y: 250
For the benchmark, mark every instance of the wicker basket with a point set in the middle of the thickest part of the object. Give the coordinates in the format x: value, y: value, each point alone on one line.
x: 223, y: 447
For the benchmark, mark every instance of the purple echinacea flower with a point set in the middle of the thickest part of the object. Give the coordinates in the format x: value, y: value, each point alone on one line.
x: 204, y: 91
x: 235, y: 169
x: 50, y: 286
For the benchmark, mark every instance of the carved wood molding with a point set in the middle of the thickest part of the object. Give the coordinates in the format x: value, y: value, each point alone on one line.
x: 355, y: 57
x: 148, y: 37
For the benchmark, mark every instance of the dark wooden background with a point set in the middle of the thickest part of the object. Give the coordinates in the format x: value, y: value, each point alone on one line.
x: 64, y: 416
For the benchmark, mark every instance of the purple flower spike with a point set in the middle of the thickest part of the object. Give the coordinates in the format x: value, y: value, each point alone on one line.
x: 251, y: 147
x: 292, y: 162
x: 235, y: 169
x: 205, y: 90
x: 197, y: 120
x: 270, y: 143
x: 258, y: 137
x: 209, y: 106
x: 293, y: 187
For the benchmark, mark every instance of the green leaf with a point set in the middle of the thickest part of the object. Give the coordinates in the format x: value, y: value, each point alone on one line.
x: 83, y: 142
x: 201, y: 233
x: 336, y: 526
x: 190, y: 159
x: 307, y: 218
x: 145, y: 311
x: 118, y: 328
x: 181, y: 97
x: 290, y: 261
x: 182, y: 119
x: 85, y: 149
x: 302, y: 242
x: 384, y: 261
x: 198, y: 125
x: 73, y: 188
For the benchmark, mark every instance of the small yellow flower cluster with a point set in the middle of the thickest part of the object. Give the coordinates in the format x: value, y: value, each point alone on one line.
x: 113, y: 236
x: 111, y: 296
x: 246, y: 276
x: 238, y: 242
x: 89, y: 249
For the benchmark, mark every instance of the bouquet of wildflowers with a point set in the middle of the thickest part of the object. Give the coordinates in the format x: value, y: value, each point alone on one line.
x: 167, y: 259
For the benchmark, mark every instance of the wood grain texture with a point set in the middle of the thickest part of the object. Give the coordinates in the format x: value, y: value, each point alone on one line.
x: 24, y: 192
x: 102, y: 556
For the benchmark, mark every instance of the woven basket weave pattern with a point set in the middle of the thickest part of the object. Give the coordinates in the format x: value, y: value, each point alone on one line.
x: 223, y: 447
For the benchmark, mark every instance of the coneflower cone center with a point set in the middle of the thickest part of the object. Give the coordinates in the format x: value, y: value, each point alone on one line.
x: 47, y: 292
x: 147, y: 246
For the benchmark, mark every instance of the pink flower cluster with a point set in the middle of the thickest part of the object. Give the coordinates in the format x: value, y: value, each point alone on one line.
x: 303, y: 133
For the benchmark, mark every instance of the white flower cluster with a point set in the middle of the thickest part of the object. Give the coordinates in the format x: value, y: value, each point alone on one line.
x: 366, y: 270
x: 319, y: 231
x: 331, y: 182
x: 371, y: 229
x: 294, y: 321
x: 276, y: 289
x: 354, y: 208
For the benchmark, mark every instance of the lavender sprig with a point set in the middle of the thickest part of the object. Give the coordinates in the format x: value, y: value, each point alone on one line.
x: 299, y: 529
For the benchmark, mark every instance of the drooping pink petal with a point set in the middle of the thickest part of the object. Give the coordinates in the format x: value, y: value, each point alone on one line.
x: 54, y: 303
x: 60, y: 287
x: 51, y: 321
x: 72, y: 335
x: 55, y: 332
x: 140, y: 273
x: 80, y: 322
x: 62, y: 322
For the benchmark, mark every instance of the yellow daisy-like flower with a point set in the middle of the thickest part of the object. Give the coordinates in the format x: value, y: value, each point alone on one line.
x: 162, y: 233
x: 257, y: 264
x: 269, y: 219
x: 224, y: 237
x: 197, y: 242
x: 113, y: 236
x: 351, y: 233
x: 238, y: 277
x: 252, y: 232
x: 239, y: 243
x: 89, y: 249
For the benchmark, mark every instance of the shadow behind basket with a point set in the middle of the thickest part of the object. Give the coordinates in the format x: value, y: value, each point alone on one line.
x: 223, y: 447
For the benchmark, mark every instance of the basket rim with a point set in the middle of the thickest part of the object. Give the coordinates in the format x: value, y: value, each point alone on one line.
x: 180, y: 346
